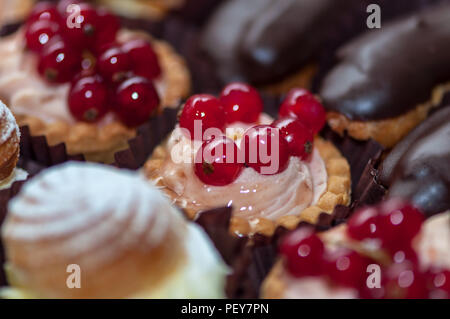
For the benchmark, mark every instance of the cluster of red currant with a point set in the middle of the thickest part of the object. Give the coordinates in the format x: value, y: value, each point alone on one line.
x: 391, y: 226
x: 105, y: 76
x: 301, y: 117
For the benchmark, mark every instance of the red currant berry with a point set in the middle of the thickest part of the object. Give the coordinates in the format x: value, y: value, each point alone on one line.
x: 114, y: 64
x: 44, y: 11
x: 297, y: 135
x: 107, y: 26
x: 364, y: 224
x: 303, y: 105
x: 137, y: 100
x: 204, y: 108
x: 88, y: 99
x: 399, y: 224
x: 265, y: 149
x: 143, y: 58
x: 59, y: 62
x: 39, y: 33
x: 404, y: 281
x: 347, y: 268
x: 404, y: 254
x: 438, y: 283
x: 242, y: 103
x: 303, y: 252
x: 82, y: 31
x: 216, y: 162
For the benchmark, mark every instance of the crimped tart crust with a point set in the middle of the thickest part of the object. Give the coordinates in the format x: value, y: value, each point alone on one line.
x: 390, y: 131
x: 338, y: 192
x: 12, y: 11
x: 99, y: 142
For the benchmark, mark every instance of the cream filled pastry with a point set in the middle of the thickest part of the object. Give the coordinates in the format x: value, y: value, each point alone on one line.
x: 127, y: 241
x: 88, y: 87
x: 9, y: 149
x: 387, y: 251
x: 308, y: 175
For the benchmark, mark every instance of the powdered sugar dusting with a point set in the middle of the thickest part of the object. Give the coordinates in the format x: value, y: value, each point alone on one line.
x: 8, y: 124
x: 78, y: 207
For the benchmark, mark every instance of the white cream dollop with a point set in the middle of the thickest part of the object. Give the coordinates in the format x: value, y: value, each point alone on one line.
x: 95, y: 215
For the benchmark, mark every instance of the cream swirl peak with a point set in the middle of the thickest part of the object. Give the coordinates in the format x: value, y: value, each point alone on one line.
x: 123, y: 234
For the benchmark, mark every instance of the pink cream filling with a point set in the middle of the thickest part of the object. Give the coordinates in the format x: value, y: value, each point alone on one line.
x: 27, y: 93
x: 252, y: 195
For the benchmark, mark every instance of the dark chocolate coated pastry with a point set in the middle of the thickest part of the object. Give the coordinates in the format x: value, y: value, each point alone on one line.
x: 386, y: 73
x: 263, y: 40
x: 418, y: 168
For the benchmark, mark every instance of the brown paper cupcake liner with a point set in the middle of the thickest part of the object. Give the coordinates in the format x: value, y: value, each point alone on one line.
x: 37, y: 149
x: 147, y: 138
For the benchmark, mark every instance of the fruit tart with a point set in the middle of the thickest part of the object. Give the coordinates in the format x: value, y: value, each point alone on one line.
x: 127, y: 243
x: 9, y: 149
x: 386, y: 251
x: 387, y: 81
x: 82, y: 80
x: 226, y: 152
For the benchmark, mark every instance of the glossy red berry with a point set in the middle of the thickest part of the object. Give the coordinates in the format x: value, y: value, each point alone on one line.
x: 404, y: 281
x: 403, y: 254
x: 216, y: 162
x: 265, y: 150
x: 303, y: 252
x: 242, y: 103
x: 45, y: 11
x: 297, y: 135
x: 143, y: 58
x: 347, y: 268
x: 438, y: 283
x: 59, y: 62
x: 88, y: 100
x: 364, y: 224
x: 305, y: 106
x: 204, y: 110
x: 137, y: 99
x: 113, y: 64
x: 107, y: 26
x: 399, y: 224
x: 39, y: 33
x: 81, y: 30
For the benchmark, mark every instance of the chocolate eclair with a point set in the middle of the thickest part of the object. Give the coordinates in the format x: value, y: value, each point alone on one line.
x: 262, y: 41
x: 417, y: 169
x: 388, y: 80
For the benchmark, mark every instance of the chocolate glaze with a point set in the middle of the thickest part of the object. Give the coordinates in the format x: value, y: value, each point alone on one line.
x: 262, y: 40
x: 418, y: 168
x: 388, y: 72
